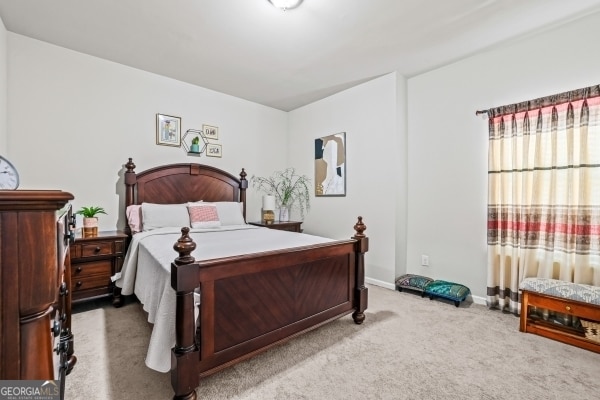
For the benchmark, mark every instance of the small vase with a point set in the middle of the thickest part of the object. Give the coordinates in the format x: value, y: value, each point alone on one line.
x: 90, y: 227
x: 195, y: 148
x: 284, y: 214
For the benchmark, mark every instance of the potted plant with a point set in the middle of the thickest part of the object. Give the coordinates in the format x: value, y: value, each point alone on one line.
x: 90, y: 219
x: 195, y: 148
x: 289, y: 188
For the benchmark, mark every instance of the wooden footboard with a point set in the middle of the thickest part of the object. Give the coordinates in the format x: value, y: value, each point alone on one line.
x: 251, y: 303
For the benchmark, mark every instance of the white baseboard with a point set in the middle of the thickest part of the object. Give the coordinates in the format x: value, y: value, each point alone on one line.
x: 478, y: 300
x: 377, y: 282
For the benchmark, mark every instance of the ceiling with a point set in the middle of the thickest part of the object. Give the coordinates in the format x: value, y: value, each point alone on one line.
x: 249, y: 49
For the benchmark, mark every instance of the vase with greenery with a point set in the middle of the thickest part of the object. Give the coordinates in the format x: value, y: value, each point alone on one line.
x: 290, y: 189
x: 90, y: 219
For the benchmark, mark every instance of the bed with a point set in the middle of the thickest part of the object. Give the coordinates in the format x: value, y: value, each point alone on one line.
x: 222, y: 307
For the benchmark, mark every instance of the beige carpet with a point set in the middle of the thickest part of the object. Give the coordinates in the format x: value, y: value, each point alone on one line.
x: 408, y: 348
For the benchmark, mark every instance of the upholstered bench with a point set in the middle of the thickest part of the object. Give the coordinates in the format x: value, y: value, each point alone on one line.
x: 578, y: 301
x: 412, y: 282
x: 447, y: 290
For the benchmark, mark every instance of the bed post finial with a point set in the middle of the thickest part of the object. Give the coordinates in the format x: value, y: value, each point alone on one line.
x: 243, y: 187
x: 130, y: 181
x: 359, y: 227
x: 130, y: 165
x: 184, y: 246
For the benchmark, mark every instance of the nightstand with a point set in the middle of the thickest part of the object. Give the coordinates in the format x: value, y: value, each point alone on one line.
x: 93, y: 261
x: 292, y: 226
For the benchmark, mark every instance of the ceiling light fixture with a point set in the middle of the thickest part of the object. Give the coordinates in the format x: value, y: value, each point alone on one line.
x: 285, y: 4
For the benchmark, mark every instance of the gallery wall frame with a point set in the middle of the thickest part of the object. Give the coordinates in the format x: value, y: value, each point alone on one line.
x: 210, y: 132
x: 214, y: 150
x: 168, y: 130
x: 330, y: 165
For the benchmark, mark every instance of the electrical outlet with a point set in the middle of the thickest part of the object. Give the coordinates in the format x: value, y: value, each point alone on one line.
x: 425, y: 260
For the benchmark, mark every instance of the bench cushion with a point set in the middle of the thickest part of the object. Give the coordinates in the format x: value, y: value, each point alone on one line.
x: 448, y: 290
x: 566, y: 290
x: 412, y: 282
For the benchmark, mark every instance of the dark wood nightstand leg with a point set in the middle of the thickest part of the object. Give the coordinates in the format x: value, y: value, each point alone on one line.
x: 117, y: 298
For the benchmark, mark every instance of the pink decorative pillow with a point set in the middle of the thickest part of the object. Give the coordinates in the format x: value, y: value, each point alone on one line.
x: 134, y: 218
x: 204, y: 215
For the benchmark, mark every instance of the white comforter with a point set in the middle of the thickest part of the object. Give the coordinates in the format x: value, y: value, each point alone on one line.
x: 146, y: 271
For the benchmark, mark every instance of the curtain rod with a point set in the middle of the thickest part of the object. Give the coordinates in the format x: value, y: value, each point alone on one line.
x: 546, y: 101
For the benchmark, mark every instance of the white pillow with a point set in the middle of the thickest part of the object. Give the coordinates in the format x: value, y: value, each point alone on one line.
x: 203, y: 215
x: 230, y: 213
x: 156, y: 216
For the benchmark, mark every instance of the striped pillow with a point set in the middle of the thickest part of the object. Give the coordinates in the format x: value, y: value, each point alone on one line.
x: 204, y: 216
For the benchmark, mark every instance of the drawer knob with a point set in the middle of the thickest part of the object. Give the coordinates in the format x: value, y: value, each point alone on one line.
x: 97, y: 249
x: 568, y: 308
x: 79, y: 283
x: 78, y: 269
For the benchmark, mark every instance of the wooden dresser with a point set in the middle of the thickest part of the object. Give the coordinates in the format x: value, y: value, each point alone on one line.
x: 36, y: 342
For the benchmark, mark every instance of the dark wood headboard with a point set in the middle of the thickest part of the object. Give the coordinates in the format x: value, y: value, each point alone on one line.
x: 180, y: 183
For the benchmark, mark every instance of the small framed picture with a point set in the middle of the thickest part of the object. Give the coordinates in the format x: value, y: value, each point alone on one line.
x: 214, y: 150
x: 168, y: 130
x: 210, y: 132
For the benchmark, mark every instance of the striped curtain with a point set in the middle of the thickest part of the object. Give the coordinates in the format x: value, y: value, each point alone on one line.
x: 543, y: 193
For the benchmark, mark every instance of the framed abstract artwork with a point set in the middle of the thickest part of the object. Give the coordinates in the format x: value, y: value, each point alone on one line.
x: 330, y: 165
x: 168, y: 130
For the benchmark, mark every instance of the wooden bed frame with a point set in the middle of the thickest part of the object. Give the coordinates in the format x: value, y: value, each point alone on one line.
x: 252, y: 302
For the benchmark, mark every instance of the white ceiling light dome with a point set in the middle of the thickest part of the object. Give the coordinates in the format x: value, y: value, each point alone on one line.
x: 286, y: 4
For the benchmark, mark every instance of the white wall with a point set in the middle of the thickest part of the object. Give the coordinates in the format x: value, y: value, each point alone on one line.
x: 75, y: 119
x: 367, y: 113
x: 420, y: 185
x: 3, y: 91
x: 447, y: 158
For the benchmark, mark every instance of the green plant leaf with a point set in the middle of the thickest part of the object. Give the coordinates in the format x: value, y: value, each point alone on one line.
x: 90, y: 212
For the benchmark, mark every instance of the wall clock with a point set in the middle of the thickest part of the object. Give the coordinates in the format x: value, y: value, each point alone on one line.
x: 9, y: 177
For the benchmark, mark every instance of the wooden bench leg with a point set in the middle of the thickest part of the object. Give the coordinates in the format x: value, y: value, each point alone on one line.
x: 524, y: 311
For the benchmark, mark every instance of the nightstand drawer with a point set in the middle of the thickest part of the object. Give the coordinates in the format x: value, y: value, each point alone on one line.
x: 94, y: 249
x: 92, y: 268
x: 91, y: 282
